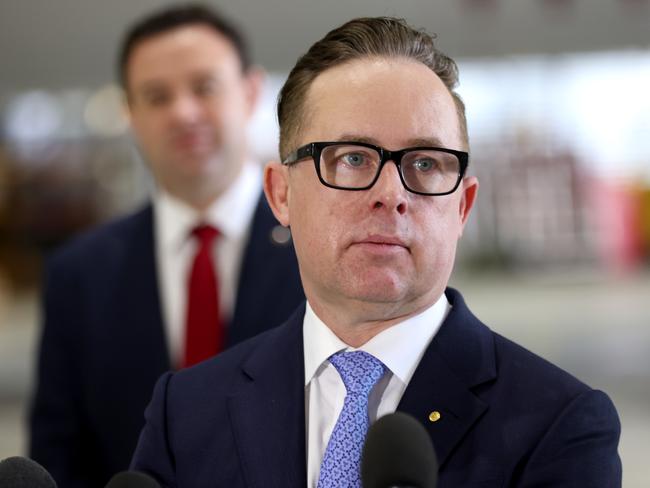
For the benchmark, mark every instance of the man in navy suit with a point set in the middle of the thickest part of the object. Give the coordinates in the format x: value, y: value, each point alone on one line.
x: 374, y: 186
x: 115, y: 299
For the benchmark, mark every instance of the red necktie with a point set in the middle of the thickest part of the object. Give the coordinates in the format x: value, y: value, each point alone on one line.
x: 204, y: 332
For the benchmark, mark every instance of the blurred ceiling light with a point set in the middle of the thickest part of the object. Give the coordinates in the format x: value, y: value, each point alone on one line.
x: 607, y: 95
x: 104, y: 114
x: 33, y: 117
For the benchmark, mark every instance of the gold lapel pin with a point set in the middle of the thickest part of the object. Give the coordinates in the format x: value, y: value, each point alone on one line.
x: 434, y: 416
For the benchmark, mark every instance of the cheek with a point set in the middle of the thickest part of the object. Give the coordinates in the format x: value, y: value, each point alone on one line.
x: 228, y: 121
x: 217, y: 113
x: 440, y: 231
x: 230, y: 107
x: 150, y: 130
x: 316, y: 222
x: 309, y: 224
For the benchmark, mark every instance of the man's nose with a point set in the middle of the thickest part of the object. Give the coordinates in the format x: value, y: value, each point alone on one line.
x: 186, y: 109
x: 388, y: 191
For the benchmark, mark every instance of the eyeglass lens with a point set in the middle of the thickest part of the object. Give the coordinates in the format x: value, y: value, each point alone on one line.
x: 425, y: 171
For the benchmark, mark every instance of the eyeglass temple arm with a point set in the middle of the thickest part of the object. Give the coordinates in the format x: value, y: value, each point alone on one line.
x: 298, y: 154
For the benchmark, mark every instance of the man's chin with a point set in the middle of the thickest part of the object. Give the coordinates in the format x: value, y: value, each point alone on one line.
x: 196, y: 162
x: 380, y: 288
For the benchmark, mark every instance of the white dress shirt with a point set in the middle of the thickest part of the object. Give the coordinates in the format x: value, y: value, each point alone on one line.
x: 399, y: 347
x: 174, y: 221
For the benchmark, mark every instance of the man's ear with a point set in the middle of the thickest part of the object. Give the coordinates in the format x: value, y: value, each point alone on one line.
x: 254, y: 80
x: 277, y: 191
x: 469, y: 187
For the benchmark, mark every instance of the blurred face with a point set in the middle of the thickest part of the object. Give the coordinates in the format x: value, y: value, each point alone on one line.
x: 382, y: 253
x: 189, y: 104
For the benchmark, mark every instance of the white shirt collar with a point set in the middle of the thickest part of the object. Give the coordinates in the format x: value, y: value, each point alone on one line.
x: 230, y: 213
x: 399, y: 347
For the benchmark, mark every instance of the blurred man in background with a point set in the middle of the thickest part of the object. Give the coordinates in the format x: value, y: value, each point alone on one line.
x: 200, y: 268
x: 373, y: 182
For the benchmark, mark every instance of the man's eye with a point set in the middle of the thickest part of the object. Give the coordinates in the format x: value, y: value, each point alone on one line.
x: 205, y: 88
x: 157, y: 99
x: 424, y: 164
x: 354, y: 159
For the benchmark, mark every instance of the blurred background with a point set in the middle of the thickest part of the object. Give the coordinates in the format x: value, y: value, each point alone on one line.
x: 557, y: 254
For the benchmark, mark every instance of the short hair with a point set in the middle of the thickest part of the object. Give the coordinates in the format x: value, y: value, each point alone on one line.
x: 174, y: 17
x: 357, y: 39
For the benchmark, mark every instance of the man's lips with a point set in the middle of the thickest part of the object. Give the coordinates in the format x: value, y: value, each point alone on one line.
x: 382, y: 243
x: 192, y: 140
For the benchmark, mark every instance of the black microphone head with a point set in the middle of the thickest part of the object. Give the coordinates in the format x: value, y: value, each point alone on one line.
x: 398, y: 452
x: 21, y: 472
x: 132, y: 479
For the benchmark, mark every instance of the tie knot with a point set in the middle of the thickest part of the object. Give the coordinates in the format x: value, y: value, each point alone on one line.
x: 359, y: 370
x: 205, y: 234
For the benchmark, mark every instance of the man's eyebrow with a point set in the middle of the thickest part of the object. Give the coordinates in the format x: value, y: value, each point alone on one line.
x: 426, y: 141
x: 358, y: 138
x: 203, y: 74
x: 417, y: 142
x: 149, y: 86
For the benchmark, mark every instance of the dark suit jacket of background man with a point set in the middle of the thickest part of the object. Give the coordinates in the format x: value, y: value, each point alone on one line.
x: 104, y: 346
x: 508, y: 417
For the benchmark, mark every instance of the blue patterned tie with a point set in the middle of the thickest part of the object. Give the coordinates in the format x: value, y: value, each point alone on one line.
x: 359, y: 371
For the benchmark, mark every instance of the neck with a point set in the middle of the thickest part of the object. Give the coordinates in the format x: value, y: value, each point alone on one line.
x: 199, y: 201
x: 357, y: 324
x: 203, y: 192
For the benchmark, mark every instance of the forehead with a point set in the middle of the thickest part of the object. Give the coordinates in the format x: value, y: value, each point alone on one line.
x: 177, y: 51
x: 393, y: 101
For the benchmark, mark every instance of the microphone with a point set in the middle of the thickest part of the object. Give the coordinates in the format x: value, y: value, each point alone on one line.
x: 132, y: 479
x: 398, y: 452
x: 21, y: 472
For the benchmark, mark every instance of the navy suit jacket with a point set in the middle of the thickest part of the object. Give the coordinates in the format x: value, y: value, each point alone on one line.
x: 103, y: 345
x: 508, y: 417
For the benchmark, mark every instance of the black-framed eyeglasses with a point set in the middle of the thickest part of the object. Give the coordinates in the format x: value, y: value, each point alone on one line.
x: 357, y: 165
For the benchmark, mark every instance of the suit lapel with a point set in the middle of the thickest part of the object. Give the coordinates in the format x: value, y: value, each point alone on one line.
x: 252, y: 286
x: 268, y: 413
x: 139, y: 316
x: 435, y: 388
x: 459, y: 358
